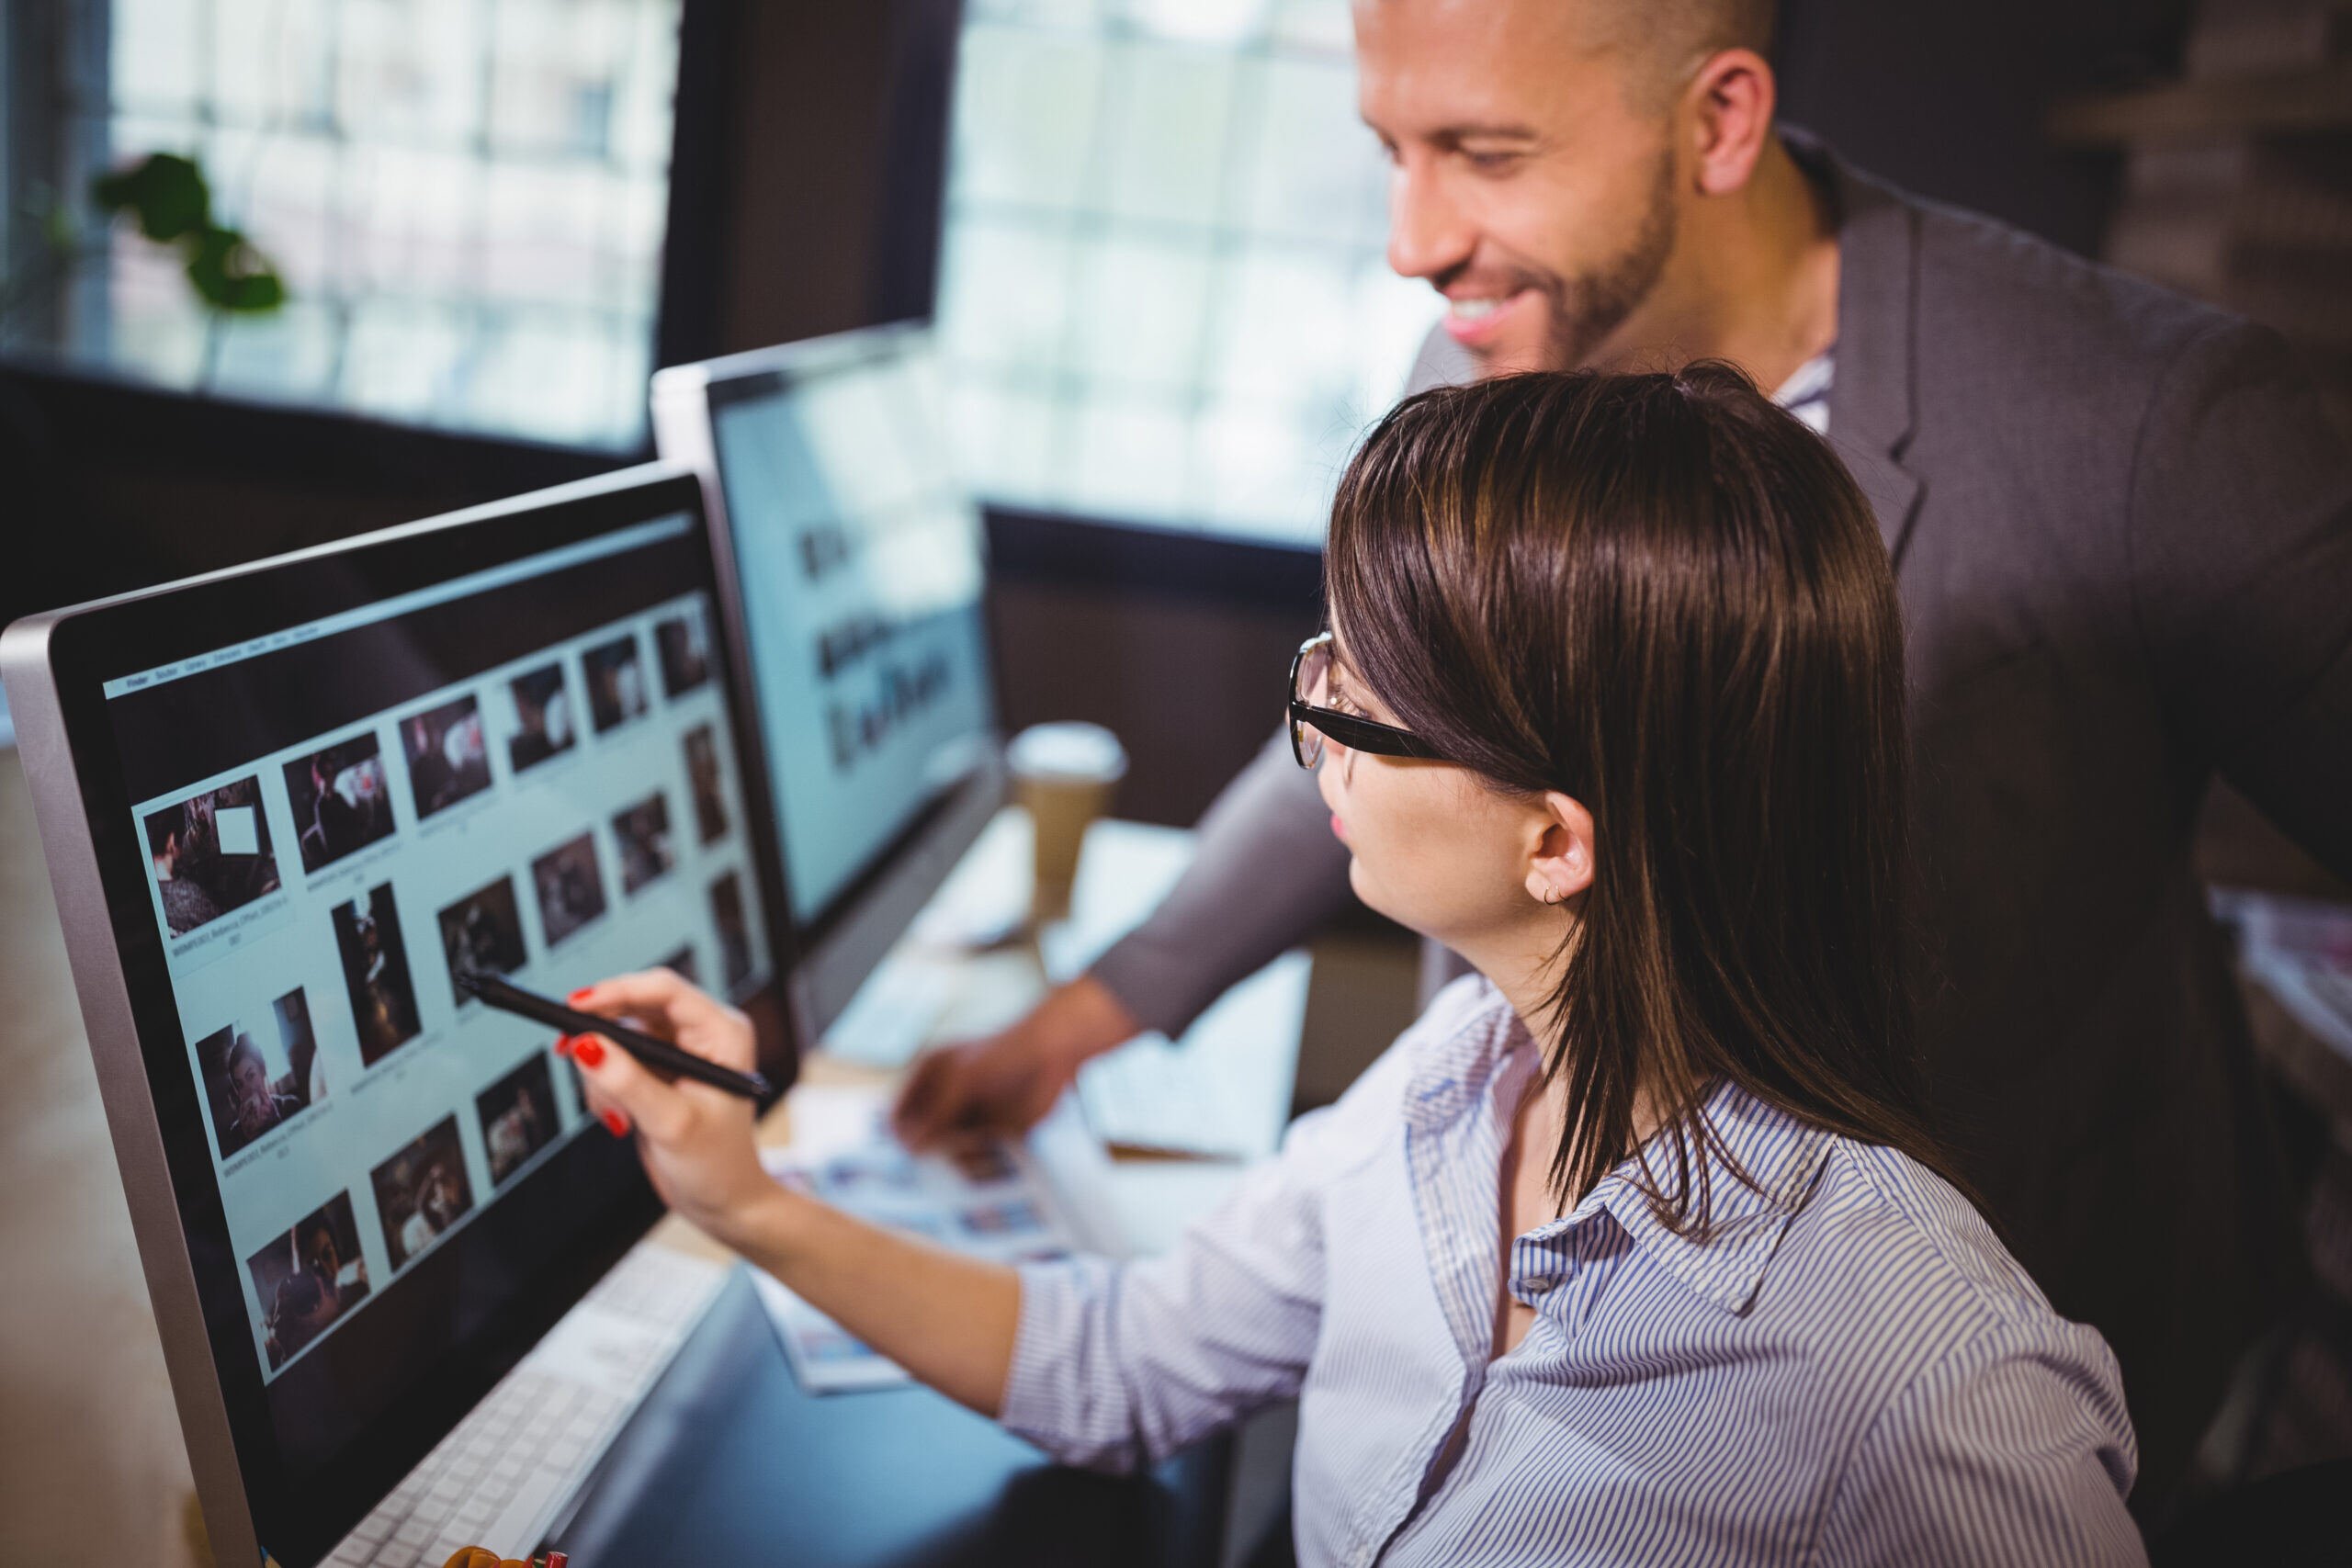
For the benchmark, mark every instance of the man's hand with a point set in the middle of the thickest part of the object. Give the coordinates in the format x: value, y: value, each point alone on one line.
x: 1006, y: 1082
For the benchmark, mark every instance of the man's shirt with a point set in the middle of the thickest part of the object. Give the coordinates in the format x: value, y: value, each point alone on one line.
x: 1852, y: 1370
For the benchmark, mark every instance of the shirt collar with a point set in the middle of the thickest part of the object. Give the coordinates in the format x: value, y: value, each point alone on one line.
x: 1783, y: 1154
x: 1457, y: 1064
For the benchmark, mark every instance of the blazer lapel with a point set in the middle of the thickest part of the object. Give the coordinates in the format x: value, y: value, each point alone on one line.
x: 1871, y: 409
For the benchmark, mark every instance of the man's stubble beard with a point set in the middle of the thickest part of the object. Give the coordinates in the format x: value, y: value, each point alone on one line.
x: 1586, y: 313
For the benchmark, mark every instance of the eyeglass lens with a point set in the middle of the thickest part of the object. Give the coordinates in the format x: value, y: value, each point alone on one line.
x: 1313, y: 689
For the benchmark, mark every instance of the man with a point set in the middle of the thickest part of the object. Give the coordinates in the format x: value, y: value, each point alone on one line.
x: 2124, y: 534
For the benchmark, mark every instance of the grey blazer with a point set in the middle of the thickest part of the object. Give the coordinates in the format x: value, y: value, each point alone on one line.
x: 2122, y: 531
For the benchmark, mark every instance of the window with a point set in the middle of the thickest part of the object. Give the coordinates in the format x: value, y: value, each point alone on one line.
x: 465, y: 197
x: 1163, y: 295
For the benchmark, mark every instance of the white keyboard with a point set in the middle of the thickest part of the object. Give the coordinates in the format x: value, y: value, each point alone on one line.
x: 891, y: 1016
x: 502, y: 1476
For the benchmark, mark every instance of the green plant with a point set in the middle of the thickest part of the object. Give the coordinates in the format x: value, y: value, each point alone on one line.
x: 172, y: 203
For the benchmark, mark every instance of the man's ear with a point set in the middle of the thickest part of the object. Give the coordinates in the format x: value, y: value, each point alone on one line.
x: 1561, y: 863
x: 1731, y: 102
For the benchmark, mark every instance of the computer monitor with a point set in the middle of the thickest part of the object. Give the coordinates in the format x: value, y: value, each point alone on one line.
x: 282, y: 806
x: 856, y: 565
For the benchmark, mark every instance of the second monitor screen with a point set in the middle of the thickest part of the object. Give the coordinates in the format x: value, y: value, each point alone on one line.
x: 861, y: 569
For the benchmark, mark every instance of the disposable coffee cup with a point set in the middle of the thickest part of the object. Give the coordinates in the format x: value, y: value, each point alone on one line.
x: 1062, y: 775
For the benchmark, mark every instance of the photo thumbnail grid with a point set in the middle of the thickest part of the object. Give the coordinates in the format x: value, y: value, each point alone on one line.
x: 300, y: 896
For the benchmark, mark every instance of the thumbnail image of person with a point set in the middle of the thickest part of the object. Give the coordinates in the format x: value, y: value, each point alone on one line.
x: 518, y: 1118
x: 293, y: 1012
x: 683, y: 643
x: 734, y: 936
x: 254, y: 1081
x: 211, y: 854
x: 341, y: 800
x: 375, y: 971
x: 422, y: 1191
x: 308, y: 1278
x: 542, y: 717
x: 448, y: 758
x: 616, y: 681
x: 643, y: 832
x: 482, y: 932
x: 570, y: 887
x: 709, y: 792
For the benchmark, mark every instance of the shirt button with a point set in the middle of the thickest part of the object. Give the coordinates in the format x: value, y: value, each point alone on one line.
x: 1540, y: 1282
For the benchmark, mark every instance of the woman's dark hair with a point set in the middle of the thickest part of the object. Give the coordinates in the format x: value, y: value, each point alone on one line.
x: 1663, y: 596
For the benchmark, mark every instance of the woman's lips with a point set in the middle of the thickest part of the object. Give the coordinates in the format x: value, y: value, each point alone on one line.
x: 1338, y: 829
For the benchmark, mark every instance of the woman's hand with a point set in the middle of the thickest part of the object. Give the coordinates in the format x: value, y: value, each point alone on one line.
x: 695, y: 1140
x: 949, y: 1320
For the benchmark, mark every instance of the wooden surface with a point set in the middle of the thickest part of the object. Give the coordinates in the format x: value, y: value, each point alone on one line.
x: 91, y: 1466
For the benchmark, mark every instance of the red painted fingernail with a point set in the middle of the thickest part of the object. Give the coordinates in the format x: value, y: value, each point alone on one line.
x: 563, y: 1045
x: 582, y: 994
x: 616, y: 1124
x: 587, y: 1052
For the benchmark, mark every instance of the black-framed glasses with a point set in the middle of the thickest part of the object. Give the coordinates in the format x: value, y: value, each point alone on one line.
x: 1310, y: 721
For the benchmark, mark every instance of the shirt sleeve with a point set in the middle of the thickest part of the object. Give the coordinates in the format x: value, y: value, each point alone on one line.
x: 2241, y: 549
x: 1266, y: 871
x: 1116, y: 1363
x: 2013, y: 1450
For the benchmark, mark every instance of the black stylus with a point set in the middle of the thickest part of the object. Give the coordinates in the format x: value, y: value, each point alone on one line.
x: 499, y: 992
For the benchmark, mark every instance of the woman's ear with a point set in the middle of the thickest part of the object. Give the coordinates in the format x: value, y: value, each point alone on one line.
x: 1562, y: 863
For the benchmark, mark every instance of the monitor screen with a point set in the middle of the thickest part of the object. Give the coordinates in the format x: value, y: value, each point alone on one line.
x: 859, y: 562
x: 507, y: 745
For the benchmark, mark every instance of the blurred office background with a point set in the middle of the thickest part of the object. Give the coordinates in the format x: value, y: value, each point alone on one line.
x: 1151, y: 233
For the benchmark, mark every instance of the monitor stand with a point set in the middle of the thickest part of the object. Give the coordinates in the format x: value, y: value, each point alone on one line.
x: 728, y: 1463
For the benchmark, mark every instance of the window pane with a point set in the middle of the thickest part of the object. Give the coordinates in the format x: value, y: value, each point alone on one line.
x: 1141, y: 309
x: 448, y: 188
x: 1162, y: 294
x: 1133, y: 457
x: 1003, y: 294
x: 157, y: 56
x: 1025, y: 107
x: 1004, y: 433
x: 1312, y: 172
x: 1163, y: 133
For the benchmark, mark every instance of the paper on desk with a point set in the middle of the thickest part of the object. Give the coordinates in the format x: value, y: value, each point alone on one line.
x: 989, y: 1198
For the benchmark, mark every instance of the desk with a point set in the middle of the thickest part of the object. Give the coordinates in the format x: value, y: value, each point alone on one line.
x: 731, y: 1462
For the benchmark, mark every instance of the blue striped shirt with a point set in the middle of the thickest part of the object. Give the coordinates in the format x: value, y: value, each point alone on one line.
x: 1851, y: 1371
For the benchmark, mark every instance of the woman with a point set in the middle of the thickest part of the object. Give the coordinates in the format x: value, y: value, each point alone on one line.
x: 1634, y: 1248
x: 257, y: 1104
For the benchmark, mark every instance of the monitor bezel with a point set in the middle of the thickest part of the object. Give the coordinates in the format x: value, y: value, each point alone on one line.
x: 56, y: 665
x: 684, y: 398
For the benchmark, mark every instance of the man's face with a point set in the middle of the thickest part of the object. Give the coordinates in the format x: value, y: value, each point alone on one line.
x: 1532, y: 188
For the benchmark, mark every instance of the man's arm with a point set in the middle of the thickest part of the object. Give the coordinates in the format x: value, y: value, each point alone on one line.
x: 2241, y: 549
x: 1266, y: 871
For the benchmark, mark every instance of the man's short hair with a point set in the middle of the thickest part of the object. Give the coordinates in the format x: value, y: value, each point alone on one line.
x: 1667, y: 39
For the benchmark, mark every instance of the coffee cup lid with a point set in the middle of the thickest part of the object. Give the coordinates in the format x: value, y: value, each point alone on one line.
x: 1067, y: 751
